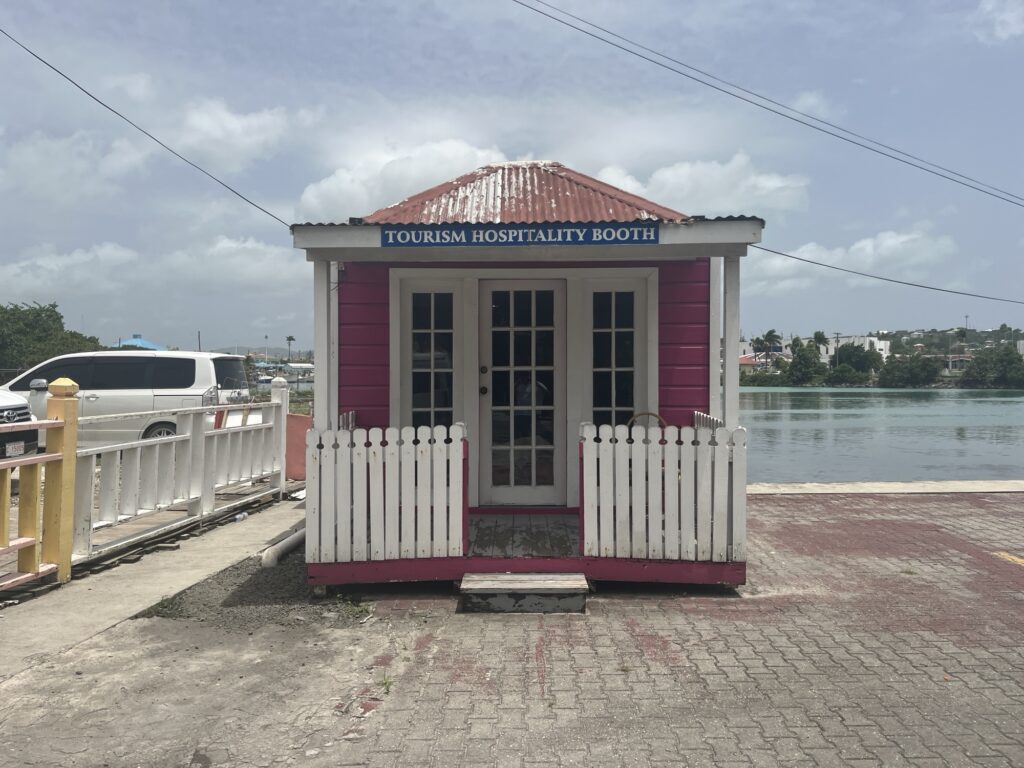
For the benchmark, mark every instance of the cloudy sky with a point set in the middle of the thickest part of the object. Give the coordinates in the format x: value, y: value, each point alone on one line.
x: 325, y: 110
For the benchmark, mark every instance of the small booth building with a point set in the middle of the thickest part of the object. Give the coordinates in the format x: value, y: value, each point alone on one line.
x: 520, y: 370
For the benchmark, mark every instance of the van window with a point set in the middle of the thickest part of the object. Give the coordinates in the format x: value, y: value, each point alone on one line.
x: 230, y: 373
x: 174, y: 373
x: 121, y: 373
x: 78, y: 369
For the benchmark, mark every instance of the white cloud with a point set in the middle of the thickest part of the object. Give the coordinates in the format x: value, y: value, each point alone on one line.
x: 996, y: 21
x: 109, y: 290
x: 387, y: 175
x: 814, y: 103
x: 137, y: 86
x: 623, y: 179
x: 99, y: 269
x: 244, y: 264
x: 714, y: 188
x: 229, y: 141
x: 914, y: 255
x: 66, y: 170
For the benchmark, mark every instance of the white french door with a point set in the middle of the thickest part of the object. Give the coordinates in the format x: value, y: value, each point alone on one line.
x: 522, y: 392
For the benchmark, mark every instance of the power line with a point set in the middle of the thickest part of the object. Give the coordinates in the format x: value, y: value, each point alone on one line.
x: 139, y: 128
x: 985, y: 189
x: 885, y: 279
x: 757, y: 95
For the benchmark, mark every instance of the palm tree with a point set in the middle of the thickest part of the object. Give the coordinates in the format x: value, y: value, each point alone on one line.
x: 757, y: 344
x: 289, y: 339
x: 820, y: 340
x: 771, y: 340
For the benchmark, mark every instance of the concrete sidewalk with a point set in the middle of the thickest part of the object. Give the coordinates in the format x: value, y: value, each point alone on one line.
x: 90, y: 605
x: 876, y: 630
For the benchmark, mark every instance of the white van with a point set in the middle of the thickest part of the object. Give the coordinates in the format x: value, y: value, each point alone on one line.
x: 113, y: 383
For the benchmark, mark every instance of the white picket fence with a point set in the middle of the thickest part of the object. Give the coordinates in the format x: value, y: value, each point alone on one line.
x: 385, y: 494
x: 704, y: 421
x: 672, y: 493
x: 118, y: 483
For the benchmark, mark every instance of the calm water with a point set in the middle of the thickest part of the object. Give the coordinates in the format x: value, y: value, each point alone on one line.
x: 828, y: 435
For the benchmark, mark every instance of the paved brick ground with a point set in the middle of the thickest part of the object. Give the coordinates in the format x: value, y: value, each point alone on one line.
x: 876, y: 631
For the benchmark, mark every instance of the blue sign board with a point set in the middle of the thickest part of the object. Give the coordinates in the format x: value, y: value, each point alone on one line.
x: 498, y: 235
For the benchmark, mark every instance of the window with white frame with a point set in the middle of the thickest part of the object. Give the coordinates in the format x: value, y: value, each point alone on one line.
x: 617, y: 384
x: 431, y: 343
x: 614, y: 390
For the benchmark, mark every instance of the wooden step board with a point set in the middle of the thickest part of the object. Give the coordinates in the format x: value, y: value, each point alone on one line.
x: 524, y: 592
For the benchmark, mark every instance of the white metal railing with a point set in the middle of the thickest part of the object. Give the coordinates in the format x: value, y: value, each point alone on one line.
x: 704, y: 421
x: 672, y: 493
x: 385, y: 494
x: 117, y: 483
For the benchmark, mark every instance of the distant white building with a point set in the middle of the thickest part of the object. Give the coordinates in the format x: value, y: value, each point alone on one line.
x: 1020, y: 347
x: 867, y: 342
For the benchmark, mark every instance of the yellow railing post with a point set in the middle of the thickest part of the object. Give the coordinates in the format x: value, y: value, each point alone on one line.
x: 59, y: 491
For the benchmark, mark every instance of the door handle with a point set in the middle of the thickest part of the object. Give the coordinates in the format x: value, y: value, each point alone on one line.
x: 92, y: 397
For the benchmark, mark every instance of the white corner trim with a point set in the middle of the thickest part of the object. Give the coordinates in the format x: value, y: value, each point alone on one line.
x: 715, y: 355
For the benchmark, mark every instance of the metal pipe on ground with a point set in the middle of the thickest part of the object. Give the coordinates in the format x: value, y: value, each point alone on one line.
x: 273, y: 553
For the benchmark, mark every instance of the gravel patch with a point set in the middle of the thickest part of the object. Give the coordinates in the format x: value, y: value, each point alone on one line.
x: 246, y: 597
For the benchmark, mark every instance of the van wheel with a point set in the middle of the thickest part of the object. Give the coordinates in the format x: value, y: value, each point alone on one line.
x: 159, y: 430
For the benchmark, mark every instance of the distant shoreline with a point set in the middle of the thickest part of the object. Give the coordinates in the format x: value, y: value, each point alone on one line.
x: 930, y: 387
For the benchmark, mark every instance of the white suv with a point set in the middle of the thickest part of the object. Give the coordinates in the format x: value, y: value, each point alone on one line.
x: 130, y: 382
x: 14, y: 409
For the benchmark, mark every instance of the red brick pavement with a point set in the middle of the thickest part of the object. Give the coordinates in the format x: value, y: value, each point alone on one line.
x: 876, y: 630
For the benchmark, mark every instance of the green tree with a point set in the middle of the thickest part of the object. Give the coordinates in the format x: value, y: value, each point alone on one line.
x: 845, y: 375
x: 820, y: 340
x: 999, y: 367
x: 771, y: 340
x: 806, y: 366
x: 289, y: 340
x: 858, y: 358
x: 911, y: 371
x: 757, y: 344
x: 32, y: 333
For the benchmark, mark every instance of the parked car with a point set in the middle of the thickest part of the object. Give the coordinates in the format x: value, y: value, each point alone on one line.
x: 134, y: 382
x: 14, y: 409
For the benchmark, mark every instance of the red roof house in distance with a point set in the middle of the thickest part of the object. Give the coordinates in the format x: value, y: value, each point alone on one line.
x: 519, y: 370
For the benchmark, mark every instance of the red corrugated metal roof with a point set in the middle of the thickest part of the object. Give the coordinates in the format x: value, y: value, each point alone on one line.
x: 534, y: 192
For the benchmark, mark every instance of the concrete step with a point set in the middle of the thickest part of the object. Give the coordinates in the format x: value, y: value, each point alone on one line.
x: 524, y: 592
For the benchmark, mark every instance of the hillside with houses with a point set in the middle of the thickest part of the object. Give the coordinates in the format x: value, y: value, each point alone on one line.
x: 951, y: 357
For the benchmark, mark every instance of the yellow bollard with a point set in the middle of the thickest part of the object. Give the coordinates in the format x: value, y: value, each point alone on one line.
x: 59, y: 491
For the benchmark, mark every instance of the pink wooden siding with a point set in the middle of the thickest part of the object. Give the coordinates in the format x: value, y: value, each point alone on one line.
x: 363, y: 344
x: 683, y: 313
x: 684, y: 317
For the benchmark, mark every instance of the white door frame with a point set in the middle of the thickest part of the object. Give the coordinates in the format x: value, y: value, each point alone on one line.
x: 578, y: 347
x: 553, y: 495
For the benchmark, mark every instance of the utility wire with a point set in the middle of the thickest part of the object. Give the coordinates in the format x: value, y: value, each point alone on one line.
x: 978, y: 187
x: 885, y: 279
x: 139, y: 128
x: 757, y: 95
x: 238, y: 194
